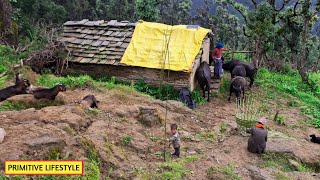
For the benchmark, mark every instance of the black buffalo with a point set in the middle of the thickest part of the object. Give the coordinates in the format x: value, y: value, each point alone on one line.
x: 203, y: 75
x: 237, y: 87
x: 238, y: 71
x: 251, y: 70
x: 186, y: 98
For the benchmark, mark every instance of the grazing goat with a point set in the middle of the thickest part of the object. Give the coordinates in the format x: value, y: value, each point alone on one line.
x: 203, y: 75
x: 19, y: 88
x: 186, y: 98
x: 251, y: 70
x: 89, y: 101
x: 238, y: 71
x: 49, y: 93
x: 315, y: 139
x: 237, y: 86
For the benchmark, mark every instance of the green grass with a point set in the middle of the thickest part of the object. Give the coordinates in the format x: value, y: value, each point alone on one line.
x: 228, y: 172
x: 281, y: 161
x: 8, y: 106
x: 290, y: 83
x: 92, y: 112
x: 126, y: 140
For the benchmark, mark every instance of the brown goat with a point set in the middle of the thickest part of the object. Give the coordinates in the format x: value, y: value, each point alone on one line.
x: 19, y: 88
x: 49, y: 93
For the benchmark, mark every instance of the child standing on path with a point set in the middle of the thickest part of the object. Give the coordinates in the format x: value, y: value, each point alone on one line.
x: 175, y: 140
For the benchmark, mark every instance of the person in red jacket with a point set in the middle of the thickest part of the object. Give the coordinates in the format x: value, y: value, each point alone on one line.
x: 217, y: 57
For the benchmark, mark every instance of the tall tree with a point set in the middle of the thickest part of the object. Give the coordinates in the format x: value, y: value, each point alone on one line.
x: 147, y: 10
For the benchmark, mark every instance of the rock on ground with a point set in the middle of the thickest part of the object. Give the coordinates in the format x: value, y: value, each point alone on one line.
x: 259, y: 174
x: 2, y: 135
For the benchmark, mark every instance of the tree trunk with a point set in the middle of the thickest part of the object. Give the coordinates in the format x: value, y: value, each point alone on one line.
x: 6, y: 31
x: 302, y: 63
x: 257, y: 58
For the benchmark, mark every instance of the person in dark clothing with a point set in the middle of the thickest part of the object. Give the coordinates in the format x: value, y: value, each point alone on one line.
x: 259, y: 136
x: 175, y: 140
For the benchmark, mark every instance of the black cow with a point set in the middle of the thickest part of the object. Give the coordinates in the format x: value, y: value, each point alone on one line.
x: 186, y: 98
x: 203, y: 75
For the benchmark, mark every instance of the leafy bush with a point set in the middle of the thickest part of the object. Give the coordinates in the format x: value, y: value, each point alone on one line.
x: 163, y: 92
x: 49, y: 80
x: 197, y: 96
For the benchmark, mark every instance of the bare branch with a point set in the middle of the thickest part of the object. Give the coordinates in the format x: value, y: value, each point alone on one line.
x: 254, y: 3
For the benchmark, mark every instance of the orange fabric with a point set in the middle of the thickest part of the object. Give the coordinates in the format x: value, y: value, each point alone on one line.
x: 260, y: 125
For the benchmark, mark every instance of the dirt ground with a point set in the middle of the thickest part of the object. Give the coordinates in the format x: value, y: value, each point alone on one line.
x: 76, y: 133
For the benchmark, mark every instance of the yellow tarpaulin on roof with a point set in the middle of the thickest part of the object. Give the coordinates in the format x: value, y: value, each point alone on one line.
x: 147, y: 47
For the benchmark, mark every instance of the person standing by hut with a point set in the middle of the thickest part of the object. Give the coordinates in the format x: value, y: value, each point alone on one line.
x: 259, y: 135
x: 217, y: 57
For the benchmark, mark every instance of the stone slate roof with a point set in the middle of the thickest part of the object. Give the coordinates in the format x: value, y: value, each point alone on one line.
x: 98, y: 42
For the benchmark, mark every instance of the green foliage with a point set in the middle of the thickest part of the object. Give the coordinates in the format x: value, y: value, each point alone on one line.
x: 147, y: 10
x: 163, y: 92
x: 281, y: 161
x: 172, y: 170
x: 126, y: 140
x: 7, y: 57
x: 49, y: 80
x: 281, y: 120
x: 197, y: 96
x: 159, y: 154
x: 90, y: 149
x: 293, y: 85
x: 92, y: 112
x: 277, y: 160
x: 2, y: 81
x: 3, y: 68
x: 9, y: 106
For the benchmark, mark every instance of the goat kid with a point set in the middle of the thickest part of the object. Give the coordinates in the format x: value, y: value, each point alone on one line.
x: 49, y: 93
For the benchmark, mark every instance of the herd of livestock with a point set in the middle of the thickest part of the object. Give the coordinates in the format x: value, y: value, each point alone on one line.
x: 239, y: 70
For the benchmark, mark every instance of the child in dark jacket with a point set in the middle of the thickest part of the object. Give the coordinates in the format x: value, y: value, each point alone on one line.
x: 175, y: 140
x: 259, y: 136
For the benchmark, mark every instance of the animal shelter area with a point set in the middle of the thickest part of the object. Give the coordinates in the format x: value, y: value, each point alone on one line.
x: 137, y: 51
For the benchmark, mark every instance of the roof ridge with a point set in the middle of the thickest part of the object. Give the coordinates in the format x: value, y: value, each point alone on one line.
x: 101, y: 23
